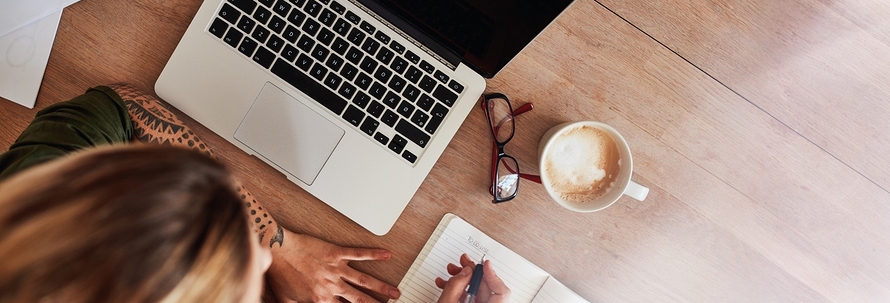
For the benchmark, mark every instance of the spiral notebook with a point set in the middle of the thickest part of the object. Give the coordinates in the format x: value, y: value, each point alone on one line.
x: 453, y: 237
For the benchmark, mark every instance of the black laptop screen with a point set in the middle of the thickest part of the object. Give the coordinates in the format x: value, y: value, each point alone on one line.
x: 485, y: 33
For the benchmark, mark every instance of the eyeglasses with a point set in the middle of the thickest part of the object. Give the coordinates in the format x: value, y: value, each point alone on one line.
x: 505, y: 173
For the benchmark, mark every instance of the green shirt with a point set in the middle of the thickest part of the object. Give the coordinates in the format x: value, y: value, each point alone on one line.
x: 97, y: 117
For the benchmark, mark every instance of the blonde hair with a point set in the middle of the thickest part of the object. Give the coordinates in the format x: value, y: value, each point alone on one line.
x: 123, y: 224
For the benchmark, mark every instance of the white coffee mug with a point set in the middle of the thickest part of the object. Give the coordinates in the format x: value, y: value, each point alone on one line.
x: 617, y: 186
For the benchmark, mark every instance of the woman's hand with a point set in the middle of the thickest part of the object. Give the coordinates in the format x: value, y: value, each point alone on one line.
x: 492, y: 289
x: 308, y: 269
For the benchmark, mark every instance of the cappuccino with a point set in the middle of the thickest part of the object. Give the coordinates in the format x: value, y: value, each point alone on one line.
x: 581, y: 164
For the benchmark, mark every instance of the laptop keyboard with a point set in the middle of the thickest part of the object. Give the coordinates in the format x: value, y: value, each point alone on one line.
x: 346, y: 65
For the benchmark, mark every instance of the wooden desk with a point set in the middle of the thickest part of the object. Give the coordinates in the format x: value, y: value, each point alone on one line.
x: 760, y: 127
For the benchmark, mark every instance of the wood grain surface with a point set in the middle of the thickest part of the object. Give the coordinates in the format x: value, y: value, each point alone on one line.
x: 760, y: 127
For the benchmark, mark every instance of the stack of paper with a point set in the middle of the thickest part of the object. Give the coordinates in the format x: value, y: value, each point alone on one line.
x: 27, y: 31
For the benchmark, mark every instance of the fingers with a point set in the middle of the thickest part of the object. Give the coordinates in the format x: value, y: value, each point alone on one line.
x: 500, y: 291
x: 455, y: 286
x: 364, y: 254
x: 368, y: 282
x: 354, y: 295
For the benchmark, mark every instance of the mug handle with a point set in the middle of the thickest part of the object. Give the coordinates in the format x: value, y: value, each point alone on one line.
x: 636, y: 191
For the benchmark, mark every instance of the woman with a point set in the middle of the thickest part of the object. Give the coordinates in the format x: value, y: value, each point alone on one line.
x: 167, y: 227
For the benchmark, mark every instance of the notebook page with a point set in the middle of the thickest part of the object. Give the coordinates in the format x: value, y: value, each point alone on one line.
x: 555, y: 292
x: 522, y: 277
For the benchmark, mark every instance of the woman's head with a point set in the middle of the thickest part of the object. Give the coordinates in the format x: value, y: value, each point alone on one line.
x: 124, y: 224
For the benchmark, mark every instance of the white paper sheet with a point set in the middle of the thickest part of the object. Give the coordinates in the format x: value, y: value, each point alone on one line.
x: 15, y: 14
x: 23, y: 57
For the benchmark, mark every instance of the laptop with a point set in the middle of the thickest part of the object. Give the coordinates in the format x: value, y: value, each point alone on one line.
x: 353, y: 100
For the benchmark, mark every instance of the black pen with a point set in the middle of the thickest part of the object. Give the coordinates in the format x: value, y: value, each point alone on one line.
x: 475, y: 281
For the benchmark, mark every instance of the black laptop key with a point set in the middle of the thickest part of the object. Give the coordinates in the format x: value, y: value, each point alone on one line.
x: 327, y: 17
x: 398, y: 65
x: 382, y: 73
x: 218, y: 28
x: 397, y: 144
x: 413, y: 74
x: 349, y: 72
x: 296, y: 17
x: 425, y: 102
x: 445, y: 95
x: 281, y: 8
x: 247, y: 46
x: 340, y: 46
x: 369, y: 126
x: 405, y: 109
x: 267, y: 3
x: 233, y: 37
x: 383, y: 139
x: 289, y: 53
x: 337, y: 7
x: 352, y: 17
x: 297, y: 3
x: 333, y: 81
x: 262, y: 15
x: 334, y: 63
x: 320, y: 53
x: 356, y: 36
x: 396, y: 84
x: 306, y: 43
x: 304, y: 62
x: 442, y: 77
x: 376, y: 109
x: 245, y: 5
x: 363, y: 80
x: 354, y: 55
x: 361, y: 99
x: 427, y: 67
x: 311, y: 27
x: 342, y: 27
x: 275, y: 44
x: 260, y: 34
x: 411, y: 93
x: 457, y: 87
x: 370, y: 46
x: 367, y: 27
x: 436, y: 116
x: 383, y: 38
x: 397, y: 47
x: 264, y: 57
x: 313, y: 8
x: 229, y: 13
x: 391, y: 99
x: 291, y: 34
x: 390, y: 118
x: 318, y: 71
x: 420, y: 118
x: 368, y: 65
x: 277, y: 24
x: 347, y: 90
x: 409, y: 156
x: 246, y: 24
x: 411, y: 56
x: 385, y: 55
x: 311, y: 88
x: 353, y: 115
x: 377, y: 90
x: 325, y: 36
x: 428, y: 84
x: 412, y: 133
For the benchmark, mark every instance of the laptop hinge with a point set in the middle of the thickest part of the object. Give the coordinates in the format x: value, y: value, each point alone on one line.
x: 451, y: 62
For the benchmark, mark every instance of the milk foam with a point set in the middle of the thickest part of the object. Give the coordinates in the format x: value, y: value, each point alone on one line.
x: 582, y: 164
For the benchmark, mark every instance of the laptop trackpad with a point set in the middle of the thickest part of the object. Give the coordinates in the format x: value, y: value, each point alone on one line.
x: 284, y: 131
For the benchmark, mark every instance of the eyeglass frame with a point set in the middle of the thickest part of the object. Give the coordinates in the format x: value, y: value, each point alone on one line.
x: 497, y: 151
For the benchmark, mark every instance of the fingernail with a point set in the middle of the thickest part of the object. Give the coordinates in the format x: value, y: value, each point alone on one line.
x: 394, y: 293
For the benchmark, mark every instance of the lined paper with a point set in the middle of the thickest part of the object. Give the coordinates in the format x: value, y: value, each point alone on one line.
x: 453, y: 237
x: 555, y: 292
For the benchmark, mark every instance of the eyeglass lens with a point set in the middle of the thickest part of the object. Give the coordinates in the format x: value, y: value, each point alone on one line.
x: 507, y: 182
x: 500, y: 116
